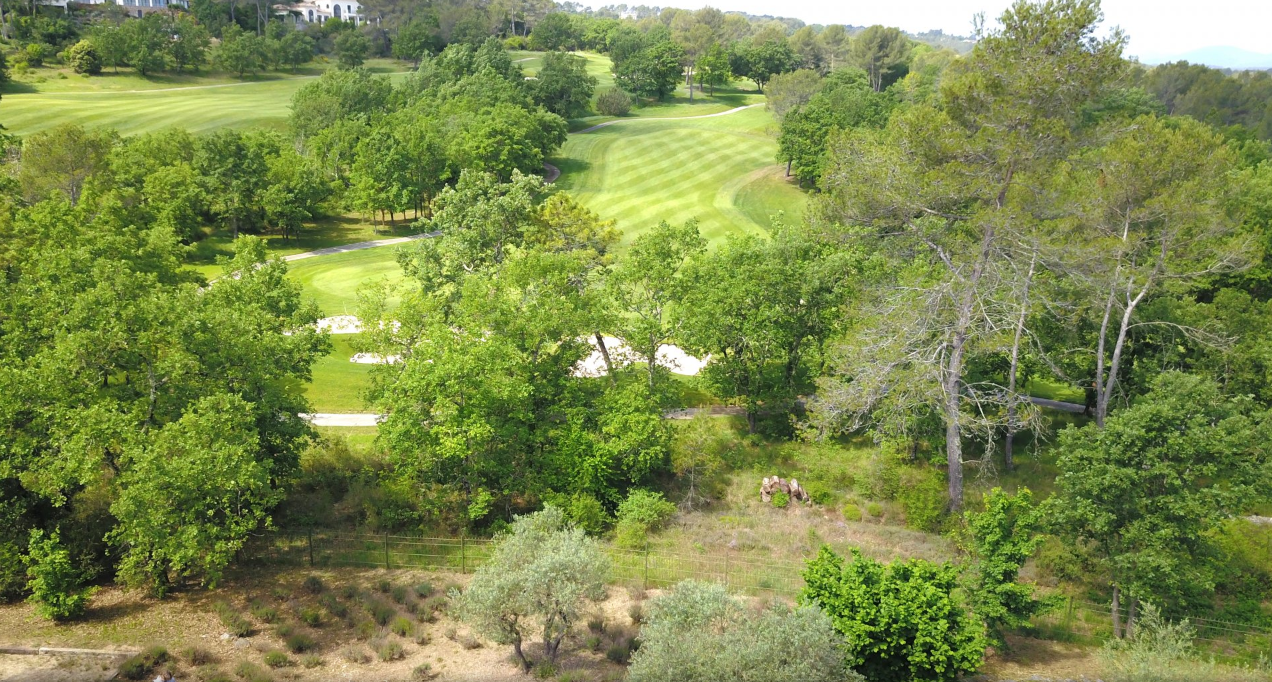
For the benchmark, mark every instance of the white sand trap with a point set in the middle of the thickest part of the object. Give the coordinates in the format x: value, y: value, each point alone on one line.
x: 669, y: 356
x: 341, y: 324
x: 375, y: 359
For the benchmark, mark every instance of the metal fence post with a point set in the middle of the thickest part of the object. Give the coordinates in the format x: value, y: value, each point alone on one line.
x: 646, y: 584
x: 463, y: 554
x: 309, y: 538
x: 386, y: 550
x: 726, y: 570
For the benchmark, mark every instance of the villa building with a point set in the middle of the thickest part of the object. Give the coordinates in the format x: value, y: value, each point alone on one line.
x: 319, y: 11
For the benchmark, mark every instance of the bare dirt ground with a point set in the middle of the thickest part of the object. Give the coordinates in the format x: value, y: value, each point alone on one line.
x: 122, y: 619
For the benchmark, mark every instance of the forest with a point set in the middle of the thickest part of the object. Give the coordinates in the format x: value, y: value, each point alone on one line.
x: 1023, y: 318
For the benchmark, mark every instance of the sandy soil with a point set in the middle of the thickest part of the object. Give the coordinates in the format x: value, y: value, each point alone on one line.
x: 56, y: 668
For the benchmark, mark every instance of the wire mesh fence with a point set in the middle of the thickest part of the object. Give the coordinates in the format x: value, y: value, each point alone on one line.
x: 1072, y: 620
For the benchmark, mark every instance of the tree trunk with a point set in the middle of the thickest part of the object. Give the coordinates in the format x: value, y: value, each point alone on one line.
x: 788, y: 167
x: 1012, y: 401
x: 1130, y: 617
x: 1104, y: 385
x: 609, y: 365
x: 516, y: 648
x: 1117, y: 612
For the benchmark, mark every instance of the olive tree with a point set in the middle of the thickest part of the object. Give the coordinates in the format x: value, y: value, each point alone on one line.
x: 538, y: 579
x: 698, y: 633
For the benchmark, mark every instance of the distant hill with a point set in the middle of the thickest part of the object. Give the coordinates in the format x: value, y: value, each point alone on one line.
x: 1220, y: 57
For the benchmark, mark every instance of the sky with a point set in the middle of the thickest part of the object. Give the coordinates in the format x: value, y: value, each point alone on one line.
x: 1158, y: 29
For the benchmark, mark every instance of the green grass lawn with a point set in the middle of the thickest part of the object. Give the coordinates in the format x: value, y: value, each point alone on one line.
x: 333, y: 281
x: 131, y: 104
x: 719, y: 170
x: 338, y: 384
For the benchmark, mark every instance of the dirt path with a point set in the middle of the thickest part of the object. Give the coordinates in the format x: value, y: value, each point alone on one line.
x: 668, y: 118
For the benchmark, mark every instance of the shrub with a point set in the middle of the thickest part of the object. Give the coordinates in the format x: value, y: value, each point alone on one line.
x: 536, y: 581
x: 36, y: 53
x: 781, y: 500
x: 277, y: 659
x: 401, y: 627
x: 899, y: 621
x: 422, y: 638
x: 250, y: 672
x: 545, y: 670
x: 424, y: 590
x: 596, y: 625
x: 382, y: 613
x: 874, y: 509
x: 284, y: 630
x: 383, y: 585
x: 698, y: 626
x: 232, y: 619
x: 646, y: 507
x: 349, y: 591
x: 334, y: 606
x: 593, y: 643
x: 587, y: 513
x: 311, y: 617
x: 399, y: 594
x: 468, y: 642
x: 197, y: 655
x: 923, y: 497
x: 83, y: 58
x: 389, y: 651
x: 365, y: 629
x: 300, y: 642
x: 354, y: 653
x: 138, y: 667
x: 637, y: 613
x: 422, y: 672
x: 631, y: 535
x: 263, y: 613
x: 514, y: 43
x: 1004, y: 536
x: 311, y: 660
x: 313, y: 585
x: 614, y: 102
x: 56, y: 586
x: 852, y: 512
x: 619, y: 653
x: 217, y: 676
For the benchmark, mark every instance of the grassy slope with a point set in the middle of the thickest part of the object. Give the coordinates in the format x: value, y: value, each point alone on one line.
x: 131, y: 104
x: 338, y: 384
x: 640, y: 172
x: 333, y: 281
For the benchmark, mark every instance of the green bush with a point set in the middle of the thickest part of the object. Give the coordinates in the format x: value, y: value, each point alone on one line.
x: 390, y: 651
x: 313, y: 584
x: 300, y: 642
x: 263, y: 613
x: 614, y: 102
x: 402, y: 627
x: 311, y: 660
x: 56, y: 586
x: 781, y: 500
x: 587, y: 513
x: 399, y: 594
x: 900, y: 621
x: 277, y: 659
x: 250, y: 672
x: 381, y: 612
x: 874, y: 509
x: 36, y: 53
x: 354, y: 653
x: 619, y: 653
x: 13, y: 577
x: 83, y: 58
x: 852, y: 512
x: 232, y: 619
x: 422, y: 672
x: 424, y: 590
x: 515, y: 43
x: 646, y: 507
x: 140, y: 666
x: 1162, y: 651
x: 383, y: 585
x: 310, y: 616
x: 631, y: 535
x: 334, y: 606
x: 284, y: 630
x: 923, y: 496
x: 197, y: 655
x: 545, y: 670
x: 698, y: 626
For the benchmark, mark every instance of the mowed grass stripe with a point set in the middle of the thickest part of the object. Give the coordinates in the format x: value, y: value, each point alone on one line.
x: 639, y: 173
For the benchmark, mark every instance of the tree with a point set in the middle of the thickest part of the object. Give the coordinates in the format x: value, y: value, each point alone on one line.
x: 790, y: 91
x: 696, y: 457
x: 189, y: 43
x: 83, y: 58
x: 645, y: 286
x: 540, y: 576
x: 111, y: 43
x: 764, y: 60
x: 1154, y: 215
x: 881, y: 52
x: 563, y: 86
x: 698, y: 633
x: 192, y: 497
x: 416, y: 39
x: 835, y: 43
x: 234, y: 172
x: 555, y: 32
x: 843, y: 101
x: 56, y: 585
x: 352, y: 48
x: 62, y: 159
x: 295, y: 49
x: 336, y: 96
x: 146, y: 42
x: 239, y: 52
x: 900, y: 622
x: 1004, y: 536
x: 381, y: 175
x: 653, y: 71
x: 1146, y: 491
x: 713, y: 68
x: 1009, y: 116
